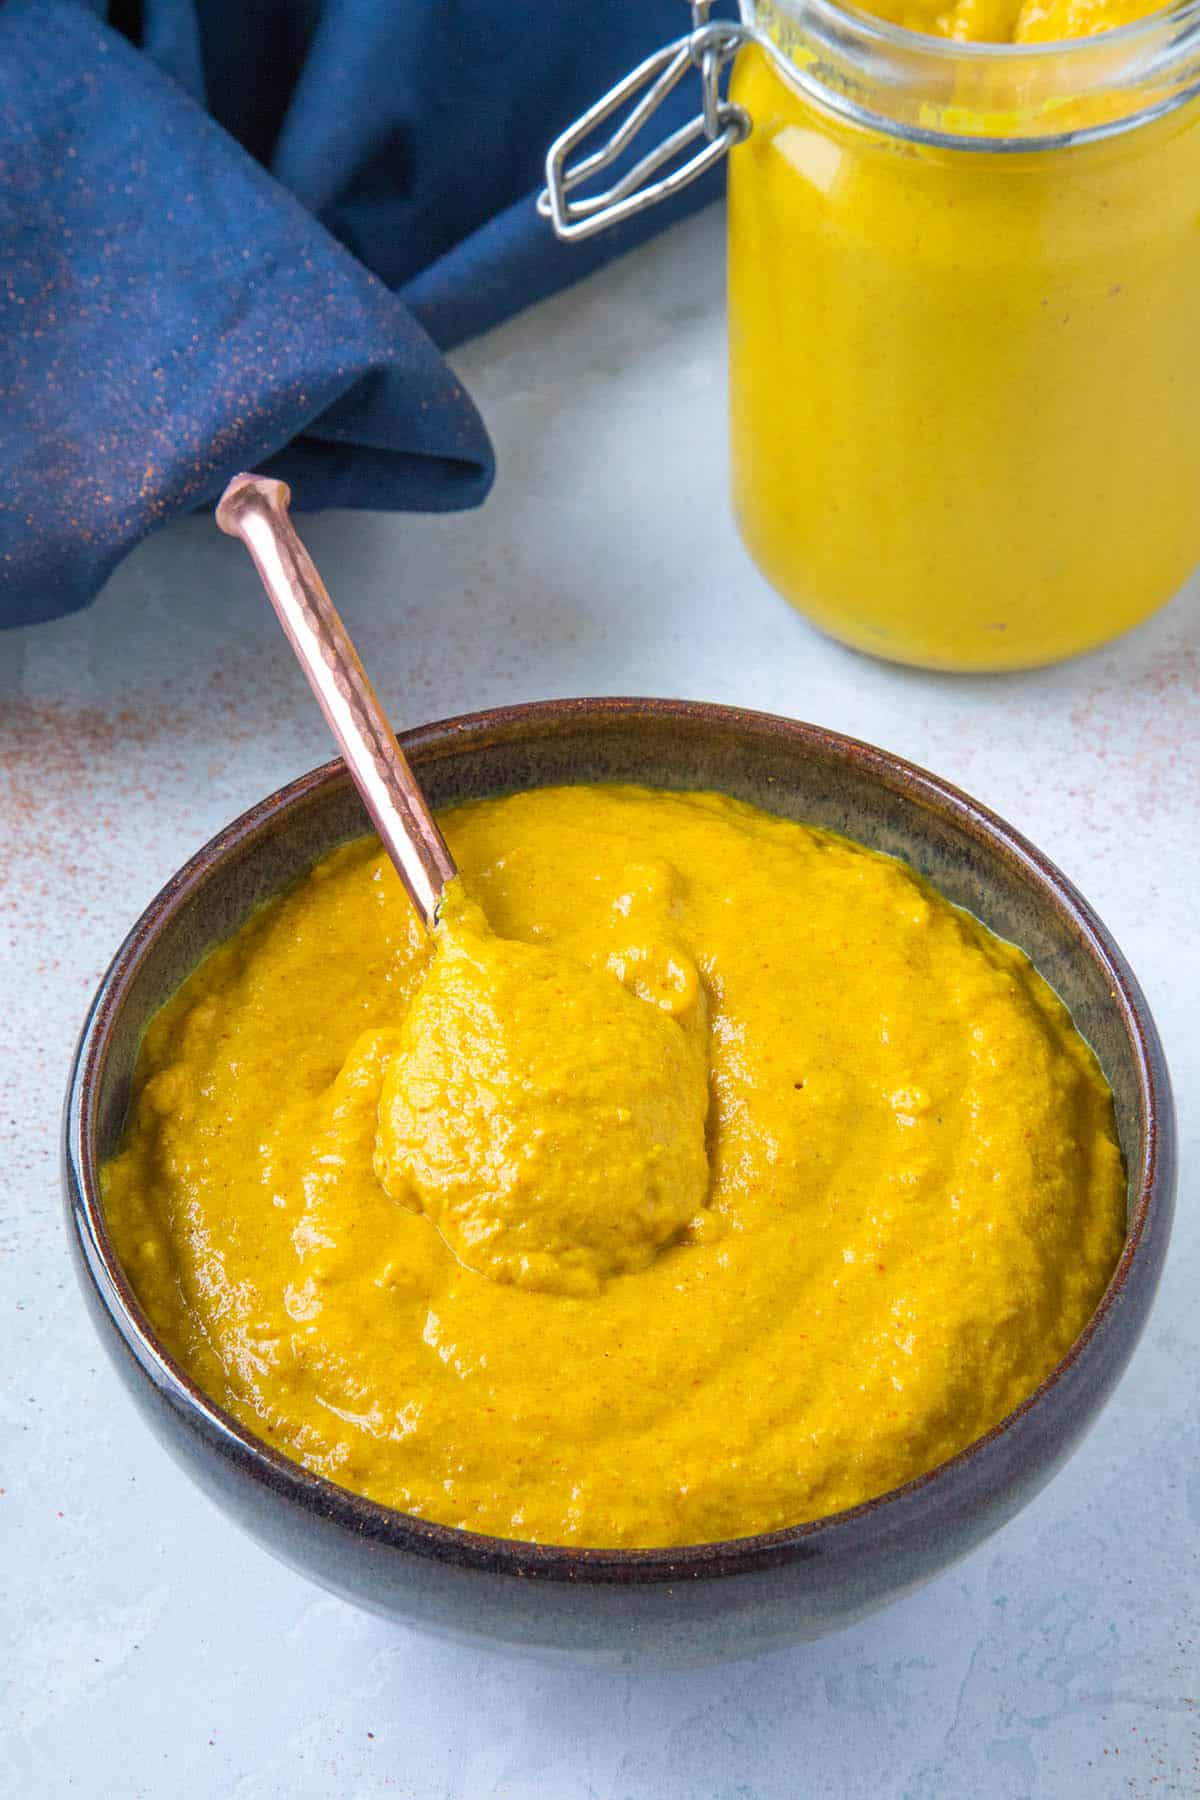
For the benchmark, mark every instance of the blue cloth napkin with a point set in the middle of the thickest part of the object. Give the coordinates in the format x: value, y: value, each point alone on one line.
x: 239, y: 235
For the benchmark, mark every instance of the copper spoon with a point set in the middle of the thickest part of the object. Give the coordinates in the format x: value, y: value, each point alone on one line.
x: 255, y: 509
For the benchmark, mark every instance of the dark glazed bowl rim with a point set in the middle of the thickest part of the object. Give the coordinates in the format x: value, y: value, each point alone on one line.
x: 912, y: 1507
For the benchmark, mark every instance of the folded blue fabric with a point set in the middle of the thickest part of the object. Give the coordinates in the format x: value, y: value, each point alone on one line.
x: 235, y: 236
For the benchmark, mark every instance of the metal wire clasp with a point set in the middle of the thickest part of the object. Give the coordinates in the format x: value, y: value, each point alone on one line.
x: 719, y: 125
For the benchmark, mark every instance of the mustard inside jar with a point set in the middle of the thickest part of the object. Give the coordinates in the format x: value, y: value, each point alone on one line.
x: 964, y: 365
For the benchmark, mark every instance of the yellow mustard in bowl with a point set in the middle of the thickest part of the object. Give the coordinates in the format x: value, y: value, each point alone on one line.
x: 817, y: 1216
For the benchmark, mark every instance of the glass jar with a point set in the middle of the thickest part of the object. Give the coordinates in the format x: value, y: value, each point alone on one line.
x: 964, y: 324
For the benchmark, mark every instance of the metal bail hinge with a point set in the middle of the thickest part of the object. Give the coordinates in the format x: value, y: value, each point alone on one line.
x: 719, y: 124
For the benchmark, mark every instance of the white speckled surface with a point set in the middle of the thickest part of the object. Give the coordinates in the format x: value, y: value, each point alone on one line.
x: 148, y: 1649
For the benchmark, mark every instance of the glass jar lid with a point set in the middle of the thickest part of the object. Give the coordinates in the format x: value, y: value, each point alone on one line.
x: 993, y: 98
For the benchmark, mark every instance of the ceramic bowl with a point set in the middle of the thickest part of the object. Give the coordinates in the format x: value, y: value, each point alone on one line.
x: 668, y: 1605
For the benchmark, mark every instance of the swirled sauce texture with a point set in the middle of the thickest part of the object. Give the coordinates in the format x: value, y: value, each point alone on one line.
x: 912, y: 1202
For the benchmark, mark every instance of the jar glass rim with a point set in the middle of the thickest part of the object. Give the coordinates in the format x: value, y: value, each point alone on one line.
x: 871, y: 27
x: 981, y: 96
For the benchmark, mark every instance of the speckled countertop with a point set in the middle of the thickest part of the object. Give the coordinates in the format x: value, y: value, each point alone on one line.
x: 146, y: 1648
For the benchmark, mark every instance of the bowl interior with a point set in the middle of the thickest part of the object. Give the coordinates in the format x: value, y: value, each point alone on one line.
x: 798, y: 772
